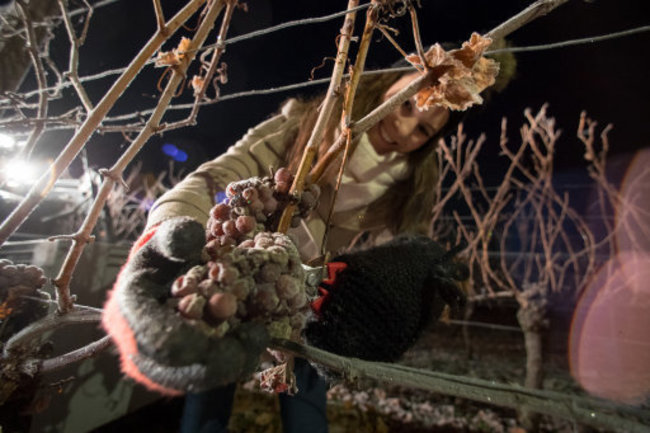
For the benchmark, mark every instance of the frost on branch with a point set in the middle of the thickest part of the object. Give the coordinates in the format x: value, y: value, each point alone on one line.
x: 466, y: 74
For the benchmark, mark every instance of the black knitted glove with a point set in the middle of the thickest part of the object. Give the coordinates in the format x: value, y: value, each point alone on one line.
x: 378, y: 304
x: 157, y: 347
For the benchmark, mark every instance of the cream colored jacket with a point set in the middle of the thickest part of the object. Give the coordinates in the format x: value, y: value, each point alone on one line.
x: 262, y: 147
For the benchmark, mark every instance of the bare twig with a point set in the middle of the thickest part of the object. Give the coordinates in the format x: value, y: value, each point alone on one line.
x: 359, y: 65
x: 537, y: 9
x: 88, y: 351
x: 34, y: 54
x: 46, y: 182
x: 160, y: 17
x: 532, y: 12
x: 324, y: 115
x: 47, y: 324
x: 386, y: 32
x: 62, y: 281
x: 348, y: 104
x: 419, y: 48
x: 220, y: 48
x: 73, y: 64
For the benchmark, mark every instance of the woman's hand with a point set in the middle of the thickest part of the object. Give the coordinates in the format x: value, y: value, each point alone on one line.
x: 157, y: 347
x: 381, y: 298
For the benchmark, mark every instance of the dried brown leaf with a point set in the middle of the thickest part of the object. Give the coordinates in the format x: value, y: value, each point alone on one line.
x: 175, y: 56
x: 467, y: 74
x: 183, y: 47
x: 166, y: 58
x: 197, y: 84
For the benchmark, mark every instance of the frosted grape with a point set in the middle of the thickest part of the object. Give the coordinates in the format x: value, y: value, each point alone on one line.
x: 220, y: 212
x: 191, y: 306
x: 245, y: 224
x: 222, y: 306
x: 283, y: 175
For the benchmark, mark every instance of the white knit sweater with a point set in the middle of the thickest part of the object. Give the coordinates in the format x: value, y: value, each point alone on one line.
x: 368, y: 176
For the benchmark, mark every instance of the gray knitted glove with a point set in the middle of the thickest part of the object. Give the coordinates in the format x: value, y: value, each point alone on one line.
x: 157, y: 347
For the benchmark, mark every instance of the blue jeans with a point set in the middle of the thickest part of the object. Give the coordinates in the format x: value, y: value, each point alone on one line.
x: 209, y: 411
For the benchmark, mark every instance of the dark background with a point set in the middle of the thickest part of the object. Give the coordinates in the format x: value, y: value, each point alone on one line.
x: 607, y: 79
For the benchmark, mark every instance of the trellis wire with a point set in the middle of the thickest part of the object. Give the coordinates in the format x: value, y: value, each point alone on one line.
x: 303, y: 84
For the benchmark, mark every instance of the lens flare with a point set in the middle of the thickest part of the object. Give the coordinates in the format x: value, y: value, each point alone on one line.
x: 19, y: 172
x: 633, y: 211
x: 608, y: 343
x: 6, y: 141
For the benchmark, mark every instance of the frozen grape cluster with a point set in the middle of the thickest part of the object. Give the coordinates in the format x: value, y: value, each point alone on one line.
x: 20, y: 279
x: 19, y: 290
x: 252, y: 273
x: 256, y: 204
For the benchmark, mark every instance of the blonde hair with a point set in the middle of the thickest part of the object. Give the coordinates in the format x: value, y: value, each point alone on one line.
x: 406, y: 206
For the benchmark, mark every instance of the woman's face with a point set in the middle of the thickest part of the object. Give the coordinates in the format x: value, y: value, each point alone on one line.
x: 406, y: 129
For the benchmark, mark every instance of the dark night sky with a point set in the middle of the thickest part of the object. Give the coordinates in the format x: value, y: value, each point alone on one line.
x: 608, y: 79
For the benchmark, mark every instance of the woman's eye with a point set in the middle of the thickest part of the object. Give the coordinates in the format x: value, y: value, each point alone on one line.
x: 407, y: 104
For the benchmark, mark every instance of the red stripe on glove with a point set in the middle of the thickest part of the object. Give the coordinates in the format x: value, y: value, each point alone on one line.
x: 333, y: 269
x: 121, y: 333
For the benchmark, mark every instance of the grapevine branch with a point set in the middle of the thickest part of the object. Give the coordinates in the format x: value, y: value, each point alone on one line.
x: 75, y: 43
x: 324, y: 115
x: 240, y: 38
x: 63, y: 122
x: 62, y: 281
x: 431, y: 76
x: 32, y: 48
x: 88, y: 351
x: 551, y: 403
x: 160, y: 17
x: 204, y: 81
x: 348, y: 103
x: 45, y: 183
x: 47, y: 324
x: 419, y: 47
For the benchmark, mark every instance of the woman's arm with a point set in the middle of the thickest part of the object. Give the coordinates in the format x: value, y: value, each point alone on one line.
x: 262, y: 147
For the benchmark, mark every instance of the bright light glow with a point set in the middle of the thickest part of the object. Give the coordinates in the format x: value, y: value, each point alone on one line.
x: 19, y: 172
x: 6, y: 141
x: 609, y: 350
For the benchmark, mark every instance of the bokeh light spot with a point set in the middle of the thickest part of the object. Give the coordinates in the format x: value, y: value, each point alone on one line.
x: 609, y: 344
x: 169, y: 149
x: 633, y: 211
x: 176, y: 154
x: 180, y: 156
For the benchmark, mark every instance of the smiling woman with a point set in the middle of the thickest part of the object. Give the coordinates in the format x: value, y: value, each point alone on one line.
x: 387, y: 188
x: 407, y: 128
